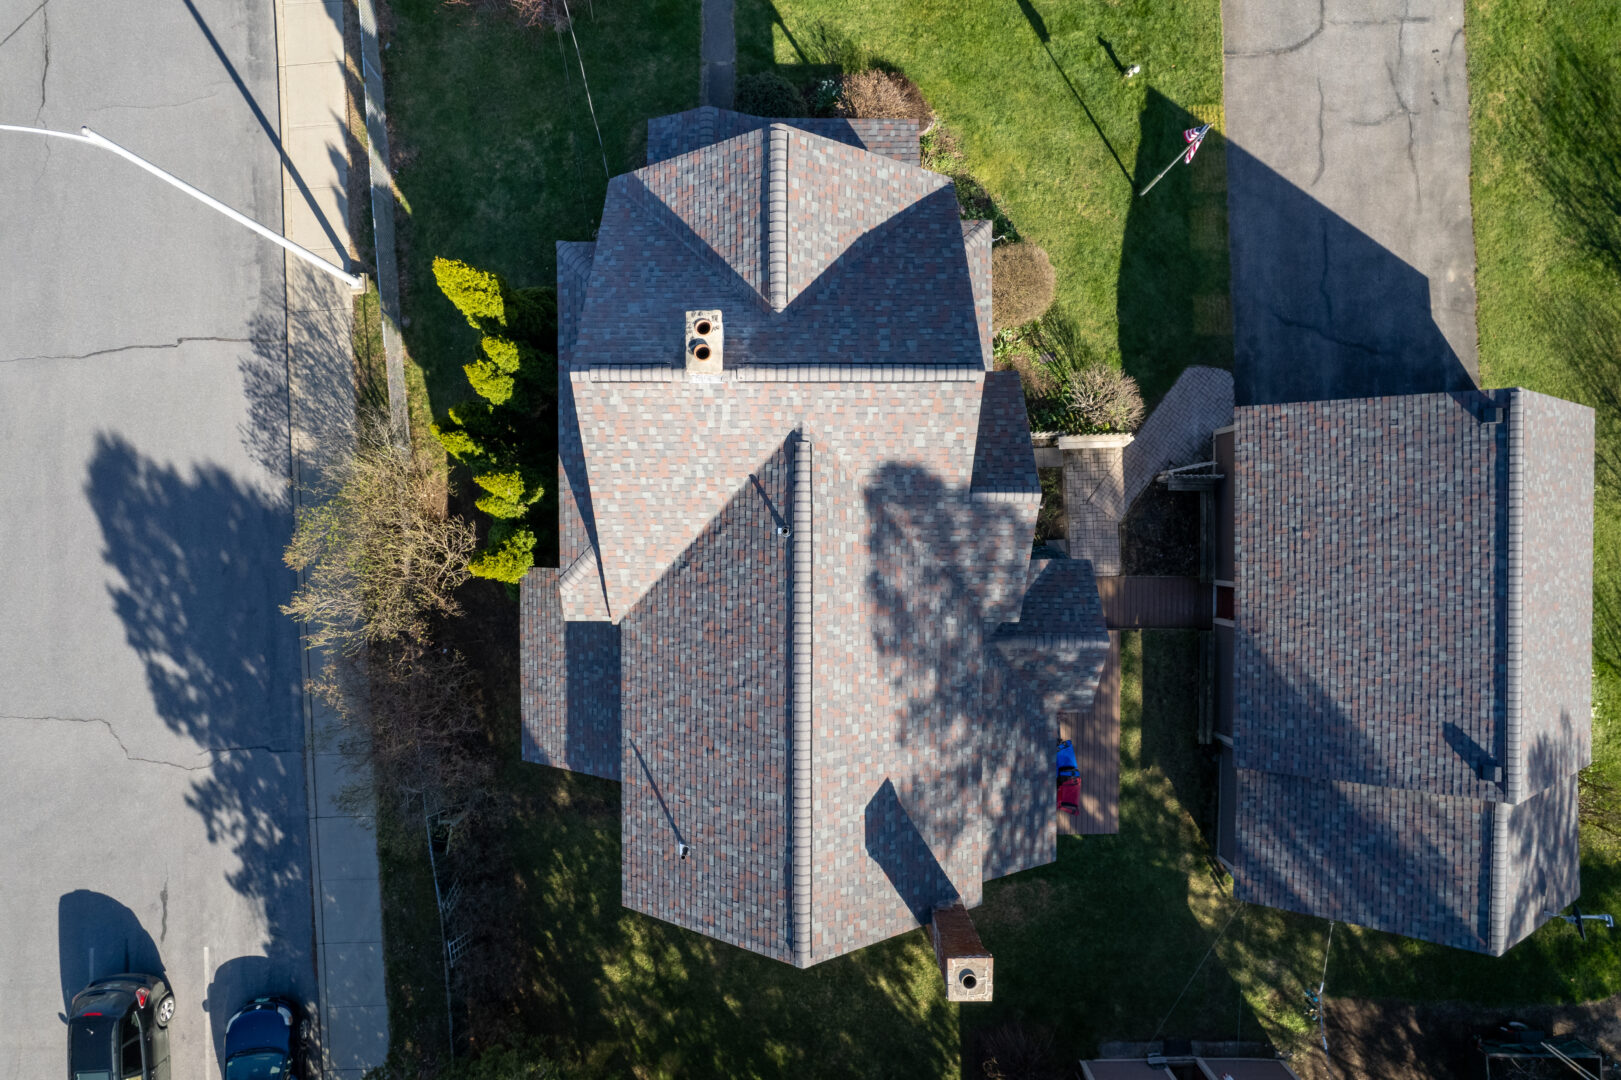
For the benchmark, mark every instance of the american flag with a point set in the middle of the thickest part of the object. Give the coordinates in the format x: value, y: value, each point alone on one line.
x: 1195, y: 138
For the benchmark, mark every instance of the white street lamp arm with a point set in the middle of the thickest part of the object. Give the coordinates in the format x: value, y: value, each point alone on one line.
x: 87, y: 136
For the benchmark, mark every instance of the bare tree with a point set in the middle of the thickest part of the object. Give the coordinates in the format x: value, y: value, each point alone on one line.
x: 380, y: 557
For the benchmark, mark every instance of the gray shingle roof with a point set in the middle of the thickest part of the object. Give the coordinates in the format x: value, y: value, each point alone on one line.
x: 1394, y: 719
x: 706, y: 726
x: 924, y: 762
x: 569, y: 679
x: 680, y: 133
x: 817, y: 253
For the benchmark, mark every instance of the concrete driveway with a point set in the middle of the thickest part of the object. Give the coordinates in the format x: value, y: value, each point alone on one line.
x: 1348, y: 195
x: 153, y: 812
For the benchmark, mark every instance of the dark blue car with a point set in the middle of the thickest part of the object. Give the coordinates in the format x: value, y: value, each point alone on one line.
x: 265, y: 1041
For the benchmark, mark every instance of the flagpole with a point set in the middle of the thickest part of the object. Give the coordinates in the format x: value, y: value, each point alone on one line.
x: 1179, y: 155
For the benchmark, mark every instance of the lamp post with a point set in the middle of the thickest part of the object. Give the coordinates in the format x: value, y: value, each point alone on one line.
x: 85, y: 135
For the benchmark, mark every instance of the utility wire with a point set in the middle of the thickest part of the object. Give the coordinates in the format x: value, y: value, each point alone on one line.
x: 1196, y: 971
x: 589, y: 103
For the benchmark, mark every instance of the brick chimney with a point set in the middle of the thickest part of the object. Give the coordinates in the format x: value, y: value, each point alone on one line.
x: 964, y: 964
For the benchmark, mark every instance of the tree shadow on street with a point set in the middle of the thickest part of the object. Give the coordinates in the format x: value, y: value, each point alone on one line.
x: 193, y: 551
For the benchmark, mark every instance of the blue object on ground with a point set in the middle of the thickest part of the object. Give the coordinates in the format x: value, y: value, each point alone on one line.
x: 1066, y: 759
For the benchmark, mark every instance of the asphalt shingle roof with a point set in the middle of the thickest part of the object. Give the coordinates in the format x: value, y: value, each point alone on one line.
x: 906, y: 473
x: 680, y: 133
x: 1410, y: 672
x: 818, y: 253
x: 706, y: 726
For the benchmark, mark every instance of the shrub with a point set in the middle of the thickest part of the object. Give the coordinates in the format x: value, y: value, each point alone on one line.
x: 1022, y: 284
x: 822, y: 98
x: 502, y: 435
x: 1102, y: 398
x: 531, y: 316
x: 765, y: 93
x: 509, y: 496
x: 508, y: 555
x: 477, y: 294
x: 380, y: 557
x: 875, y: 94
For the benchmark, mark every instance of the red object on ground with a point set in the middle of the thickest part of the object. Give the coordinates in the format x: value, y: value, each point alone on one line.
x: 1069, y: 796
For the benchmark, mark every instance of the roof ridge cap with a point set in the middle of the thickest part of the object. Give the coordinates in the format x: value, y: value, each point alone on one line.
x: 1513, y: 697
x: 777, y: 215
x: 802, y: 646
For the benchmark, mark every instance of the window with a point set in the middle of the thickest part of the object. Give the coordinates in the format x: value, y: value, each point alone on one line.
x: 131, y: 1058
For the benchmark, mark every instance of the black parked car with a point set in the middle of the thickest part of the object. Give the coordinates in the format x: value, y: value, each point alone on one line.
x: 265, y: 1041
x: 118, y: 1028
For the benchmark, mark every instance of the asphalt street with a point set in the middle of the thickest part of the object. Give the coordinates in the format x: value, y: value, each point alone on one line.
x: 1348, y: 198
x: 151, y: 733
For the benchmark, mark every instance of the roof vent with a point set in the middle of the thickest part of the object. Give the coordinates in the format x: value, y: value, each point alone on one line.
x: 704, y: 340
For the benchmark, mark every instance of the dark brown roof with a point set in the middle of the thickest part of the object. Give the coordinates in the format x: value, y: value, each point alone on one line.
x: 1411, y: 658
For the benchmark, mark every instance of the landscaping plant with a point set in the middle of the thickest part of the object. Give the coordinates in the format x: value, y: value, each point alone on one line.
x: 876, y: 94
x: 1022, y: 282
x: 497, y: 435
x: 765, y: 93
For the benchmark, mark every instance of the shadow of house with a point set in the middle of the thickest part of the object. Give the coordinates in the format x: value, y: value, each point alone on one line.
x: 1320, y: 310
x: 190, y: 549
x: 1171, y: 292
x: 96, y: 936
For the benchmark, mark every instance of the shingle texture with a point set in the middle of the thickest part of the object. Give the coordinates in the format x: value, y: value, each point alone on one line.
x: 706, y: 727
x: 1556, y: 587
x: 865, y: 257
x: 681, y: 133
x: 903, y: 473
x: 1410, y: 677
x: 569, y: 681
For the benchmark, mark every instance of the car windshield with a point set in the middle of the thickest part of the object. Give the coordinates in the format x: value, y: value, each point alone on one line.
x: 256, y: 1065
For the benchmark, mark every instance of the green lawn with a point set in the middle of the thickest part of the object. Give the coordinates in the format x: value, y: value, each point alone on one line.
x: 1096, y: 945
x: 499, y: 159
x: 1057, y: 138
x: 1545, y: 96
x: 502, y: 161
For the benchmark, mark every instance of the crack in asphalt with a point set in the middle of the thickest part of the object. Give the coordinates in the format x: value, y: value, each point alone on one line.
x: 25, y: 20
x: 1281, y: 50
x: 1322, y: 281
x: 1322, y: 158
x: 1299, y: 324
x: 1412, y: 138
x: 211, y: 751
x: 45, y: 37
x: 164, y: 104
x: 140, y: 348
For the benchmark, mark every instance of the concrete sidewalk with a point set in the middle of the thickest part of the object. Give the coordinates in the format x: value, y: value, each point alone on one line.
x: 1348, y: 192
x: 353, y: 1028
